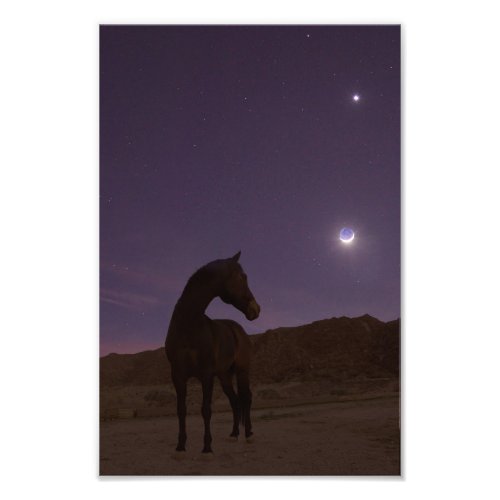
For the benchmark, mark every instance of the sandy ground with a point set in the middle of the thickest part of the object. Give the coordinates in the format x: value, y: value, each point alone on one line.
x: 329, y: 438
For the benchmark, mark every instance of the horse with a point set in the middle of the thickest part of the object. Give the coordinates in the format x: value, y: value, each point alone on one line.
x: 197, y: 346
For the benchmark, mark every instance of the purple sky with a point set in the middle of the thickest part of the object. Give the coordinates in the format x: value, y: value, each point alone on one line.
x: 225, y: 138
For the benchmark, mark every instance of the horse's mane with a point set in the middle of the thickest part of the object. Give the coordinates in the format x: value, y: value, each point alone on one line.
x: 206, y: 273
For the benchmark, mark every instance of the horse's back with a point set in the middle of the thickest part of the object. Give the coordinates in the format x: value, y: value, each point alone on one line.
x: 231, y: 343
x: 219, y: 345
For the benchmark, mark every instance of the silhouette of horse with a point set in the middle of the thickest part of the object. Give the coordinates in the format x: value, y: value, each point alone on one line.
x: 200, y: 347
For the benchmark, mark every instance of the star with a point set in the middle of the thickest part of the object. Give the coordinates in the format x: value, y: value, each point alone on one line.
x: 355, y: 97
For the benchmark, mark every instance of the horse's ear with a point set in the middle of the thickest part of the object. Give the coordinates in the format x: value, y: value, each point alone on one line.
x: 236, y: 257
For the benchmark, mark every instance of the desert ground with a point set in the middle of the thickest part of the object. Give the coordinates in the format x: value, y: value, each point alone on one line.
x: 359, y: 437
x: 326, y: 401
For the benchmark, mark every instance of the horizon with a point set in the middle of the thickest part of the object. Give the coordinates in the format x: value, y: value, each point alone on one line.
x: 279, y: 141
x: 152, y: 348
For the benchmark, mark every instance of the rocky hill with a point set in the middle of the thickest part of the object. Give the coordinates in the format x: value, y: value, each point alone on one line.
x: 336, y: 349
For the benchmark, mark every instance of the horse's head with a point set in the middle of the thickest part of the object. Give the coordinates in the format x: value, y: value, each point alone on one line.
x: 235, y: 289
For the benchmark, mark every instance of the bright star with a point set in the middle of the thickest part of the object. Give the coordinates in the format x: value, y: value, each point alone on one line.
x: 355, y: 97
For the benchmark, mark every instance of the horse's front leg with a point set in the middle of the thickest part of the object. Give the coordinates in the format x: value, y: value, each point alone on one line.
x: 180, y: 383
x: 207, y: 383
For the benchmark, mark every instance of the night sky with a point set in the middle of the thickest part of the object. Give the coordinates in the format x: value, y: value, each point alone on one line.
x: 264, y: 139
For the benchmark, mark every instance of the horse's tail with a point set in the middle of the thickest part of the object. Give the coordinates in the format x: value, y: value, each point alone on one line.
x: 242, y: 414
x: 245, y: 400
x: 244, y: 395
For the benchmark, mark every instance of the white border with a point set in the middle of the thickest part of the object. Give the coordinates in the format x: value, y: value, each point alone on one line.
x: 49, y: 246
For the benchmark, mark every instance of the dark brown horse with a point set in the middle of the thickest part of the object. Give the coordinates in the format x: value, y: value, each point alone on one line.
x: 200, y: 347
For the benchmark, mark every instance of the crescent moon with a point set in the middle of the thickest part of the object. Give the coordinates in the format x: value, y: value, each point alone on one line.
x: 347, y: 241
x: 344, y: 239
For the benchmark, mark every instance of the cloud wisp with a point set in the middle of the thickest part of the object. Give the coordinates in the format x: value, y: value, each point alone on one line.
x: 129, y: 300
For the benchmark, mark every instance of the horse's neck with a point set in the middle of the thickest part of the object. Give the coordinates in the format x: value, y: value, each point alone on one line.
x: 194, y: 300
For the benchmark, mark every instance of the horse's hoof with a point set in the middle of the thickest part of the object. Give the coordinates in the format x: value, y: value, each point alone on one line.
x: 180, y: 448
x: 250, y: 438
x: 207, y: 449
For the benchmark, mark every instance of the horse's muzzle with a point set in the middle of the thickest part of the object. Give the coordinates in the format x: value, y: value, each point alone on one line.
x: 253, y: 310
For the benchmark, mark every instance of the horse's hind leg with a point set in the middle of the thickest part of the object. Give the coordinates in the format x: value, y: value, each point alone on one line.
x: 180, y: 388
x: 207, y: 383
x: 227, y: 387
x: 245, y: 397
